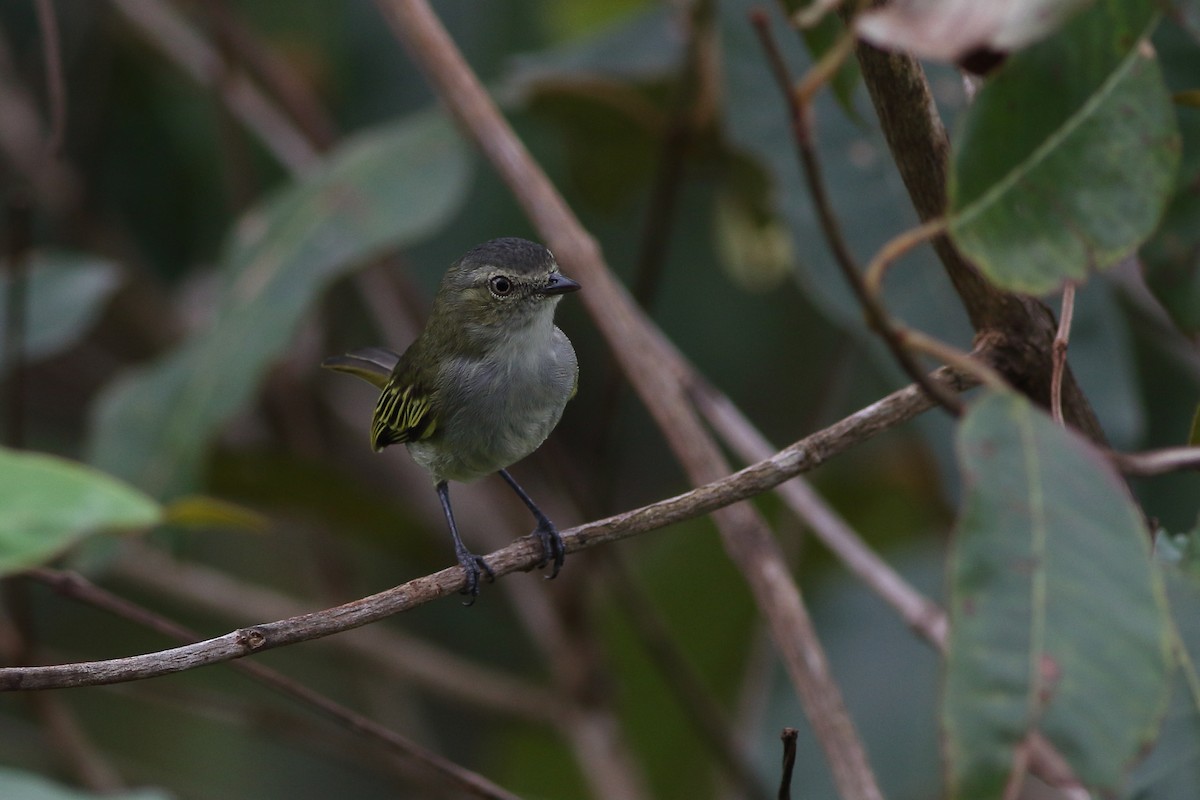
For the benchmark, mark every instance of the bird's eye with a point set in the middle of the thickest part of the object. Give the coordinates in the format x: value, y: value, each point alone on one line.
x: 500, y: 285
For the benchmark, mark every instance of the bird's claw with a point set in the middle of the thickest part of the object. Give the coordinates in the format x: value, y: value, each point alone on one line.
x: 552, y: 547
x: 472, y: 564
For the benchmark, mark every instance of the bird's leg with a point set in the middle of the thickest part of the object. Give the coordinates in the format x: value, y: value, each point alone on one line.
x: 470, y: 562
x: 547, y: 534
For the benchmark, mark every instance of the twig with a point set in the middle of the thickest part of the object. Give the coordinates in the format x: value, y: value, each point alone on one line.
x: 167, y: 30
x: 898, y: 246
x: 653, y: 370
x: 1157, y: 462
x: 292, y: 93
x: 1058, y: 362
x: 79, y: 588
x: 657, y: 224
x: 521, y: 555
x: 876, y: 315
x: 405, y: 657
x: 1019, y: 328
x: 72, y: 748
x: 55, y: 87
x: 788, y: 736
x: 919, y: 612
x: 822, y: 72
x: 962, y: 361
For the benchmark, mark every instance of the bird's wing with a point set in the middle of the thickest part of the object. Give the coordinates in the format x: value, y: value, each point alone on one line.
x: 402, y: 413
x: 373, y: 364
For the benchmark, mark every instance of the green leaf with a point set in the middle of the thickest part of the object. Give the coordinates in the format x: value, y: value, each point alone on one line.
x: 48, y: 504
x: 1057, y: 619
x: 1067, y: 158
x: 383, y: 189
x: 65, y: 293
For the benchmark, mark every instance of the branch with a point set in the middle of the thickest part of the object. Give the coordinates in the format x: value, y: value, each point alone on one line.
x: 1018, y: 330
x: 1058, y: 355
x: 522, y: 555
x: 1158, y: 462
x: 656, y: 375
x: 171, y: 34
x: 399, y: 655
x: 876, y: 314
x: 79, y: 588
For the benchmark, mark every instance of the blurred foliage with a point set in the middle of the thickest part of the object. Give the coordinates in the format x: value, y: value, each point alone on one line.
x: 181, y: 297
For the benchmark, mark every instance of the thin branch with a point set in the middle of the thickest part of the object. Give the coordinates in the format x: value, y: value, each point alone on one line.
x: 293, y: 94
x: 953, y: 357
x: 182, y: 45
x: 1019, y: 329
x: 918, y: 612
x: 522, y: 555
x: 55, y: 86
x: 788, y: 736
x: 73, y: 749
x: 877, y: 317
x: 654, y: 372
x: 1058, y: 362
x: 391, y: 651
x: 79, y: 588
x: 898, y: 246
x: 1158, y: 462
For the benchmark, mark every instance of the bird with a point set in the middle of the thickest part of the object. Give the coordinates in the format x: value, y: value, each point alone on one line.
x: 482, y: 385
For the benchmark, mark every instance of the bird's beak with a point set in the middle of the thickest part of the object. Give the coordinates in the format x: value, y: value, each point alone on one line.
x: 560, y: 284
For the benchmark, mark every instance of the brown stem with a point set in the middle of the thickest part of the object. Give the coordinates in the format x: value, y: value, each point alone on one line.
x: 876, y: 314
x: 1059, y: 353
x: 522, y: 555
x: 1017, y: 330
x: 788, y: 736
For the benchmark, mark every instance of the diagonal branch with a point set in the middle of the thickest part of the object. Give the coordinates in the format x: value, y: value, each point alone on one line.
x: 655, y: 374
x: 521, y: 555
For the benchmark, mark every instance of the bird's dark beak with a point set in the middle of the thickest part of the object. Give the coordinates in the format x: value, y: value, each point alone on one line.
x: 560, y: 284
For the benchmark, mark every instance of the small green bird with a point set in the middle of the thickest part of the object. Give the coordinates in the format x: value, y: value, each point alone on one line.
x: 483, y: 384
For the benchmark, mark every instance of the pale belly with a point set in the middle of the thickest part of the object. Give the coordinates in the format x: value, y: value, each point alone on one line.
x: 497, y: 412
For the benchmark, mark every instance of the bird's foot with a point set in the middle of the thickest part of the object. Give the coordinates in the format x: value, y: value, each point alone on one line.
x: 553, y: 549
x: 472, y: 565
